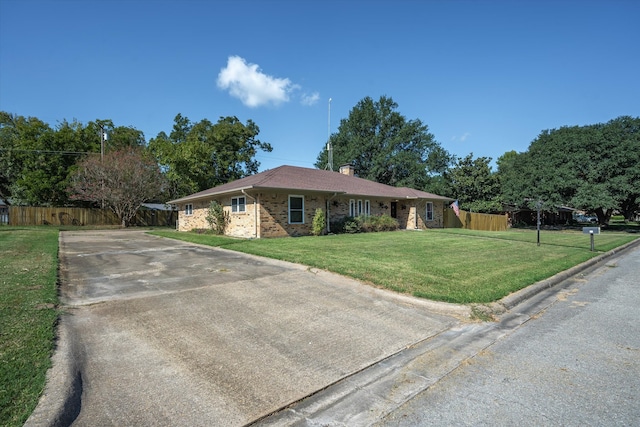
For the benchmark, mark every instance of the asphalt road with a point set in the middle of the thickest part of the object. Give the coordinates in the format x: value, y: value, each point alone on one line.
x: 168, y: 333
x: 574, y: 363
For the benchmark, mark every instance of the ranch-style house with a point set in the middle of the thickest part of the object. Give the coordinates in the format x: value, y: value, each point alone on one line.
x: 282, y: 202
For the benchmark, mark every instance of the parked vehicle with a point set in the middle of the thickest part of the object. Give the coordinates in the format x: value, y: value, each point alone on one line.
x: 586, y: 218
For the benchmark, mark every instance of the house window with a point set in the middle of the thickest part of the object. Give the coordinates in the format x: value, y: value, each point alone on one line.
x: 296, y: 209
x: 429, y: 213
x: 238, y: 204
x: 188, y: 209
x: 358, y: 207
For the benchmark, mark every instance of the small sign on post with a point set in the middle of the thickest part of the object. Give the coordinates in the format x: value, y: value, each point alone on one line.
x: 591, y: 231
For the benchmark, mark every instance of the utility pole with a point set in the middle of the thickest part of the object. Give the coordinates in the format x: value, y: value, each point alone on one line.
x: 329, y: 147
x: 103, y: 138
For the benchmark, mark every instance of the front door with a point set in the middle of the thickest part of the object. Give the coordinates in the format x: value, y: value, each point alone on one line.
x: 394, y: 209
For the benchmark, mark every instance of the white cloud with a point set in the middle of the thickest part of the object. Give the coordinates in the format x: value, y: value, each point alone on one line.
x: 249, y: 84
x: 461, y: 138
x: 254, y: 88
x: 309, y: 99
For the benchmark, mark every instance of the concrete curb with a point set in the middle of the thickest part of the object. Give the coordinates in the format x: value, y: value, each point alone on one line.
x: 516, y: 298
x: 60, y: 402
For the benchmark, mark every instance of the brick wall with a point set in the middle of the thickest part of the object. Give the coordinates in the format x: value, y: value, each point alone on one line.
x: 438, y: 215
x: 196, y: 220
x: 274, y: 214
x: 241, y: 224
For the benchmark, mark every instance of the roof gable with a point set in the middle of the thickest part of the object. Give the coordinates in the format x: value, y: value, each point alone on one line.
x: 295, y: 178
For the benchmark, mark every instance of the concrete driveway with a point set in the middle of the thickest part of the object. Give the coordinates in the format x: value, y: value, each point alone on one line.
x: 170, y: 333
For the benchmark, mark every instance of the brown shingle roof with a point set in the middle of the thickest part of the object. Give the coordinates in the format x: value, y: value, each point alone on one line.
x: 304, y: 179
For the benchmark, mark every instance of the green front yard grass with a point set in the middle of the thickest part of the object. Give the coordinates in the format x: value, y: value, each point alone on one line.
x: 28, y: 313
x: 451, y: 265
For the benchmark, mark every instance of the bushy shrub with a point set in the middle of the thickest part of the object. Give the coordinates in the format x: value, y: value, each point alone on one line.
x: 386, y: 223
x: 319, y: 223
x: 377, y: 223
x: 364, y: 224
x: 367, y: 223
x: 352, y: 225
x: 337, y: 227
x: 217, y: 218
x: 346, y: 224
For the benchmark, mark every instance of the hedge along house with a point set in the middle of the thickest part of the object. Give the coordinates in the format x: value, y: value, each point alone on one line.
x: 283, y: 201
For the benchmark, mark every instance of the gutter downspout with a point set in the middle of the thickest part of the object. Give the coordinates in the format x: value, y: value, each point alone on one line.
x: 255, y: 214
x: 328, y: 213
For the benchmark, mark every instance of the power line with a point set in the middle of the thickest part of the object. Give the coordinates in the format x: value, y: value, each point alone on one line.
x: 48, y: 151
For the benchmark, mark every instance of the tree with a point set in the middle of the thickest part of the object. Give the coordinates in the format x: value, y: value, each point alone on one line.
x: 199, y: 156
x: 475, y: 186
x: 595, y: 168
x: 17, y: 135
x: 122, y: 181
x: 508, y: 174
x: 505, y: 163
x: 384, y: 147
x: 36, y: 161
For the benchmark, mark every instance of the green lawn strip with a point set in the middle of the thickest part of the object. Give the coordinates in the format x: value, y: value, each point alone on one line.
x: 443, y: 265
x: 28, y: 313
x: 571, y: 238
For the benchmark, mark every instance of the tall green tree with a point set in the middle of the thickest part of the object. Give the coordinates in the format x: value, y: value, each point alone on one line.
x: 508, y: 175
x: 474, y: 184
x: 385, y: 147
x: 17, y: 134
x: 36, y: 160
x: 595, y: 168
x: 505, y: 162
x: 198, y: 156
x: 34, y: 166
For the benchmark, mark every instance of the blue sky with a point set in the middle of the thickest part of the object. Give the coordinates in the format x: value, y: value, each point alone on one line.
x: 485, y: 76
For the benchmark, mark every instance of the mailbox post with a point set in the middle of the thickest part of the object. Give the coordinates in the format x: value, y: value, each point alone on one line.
x: 591, y: 231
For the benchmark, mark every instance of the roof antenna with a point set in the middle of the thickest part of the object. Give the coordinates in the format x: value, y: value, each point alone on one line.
x: 329, y: 147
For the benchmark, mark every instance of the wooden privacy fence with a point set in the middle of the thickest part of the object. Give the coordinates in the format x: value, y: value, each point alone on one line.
x: 475, y: 221
x: 27, y: 215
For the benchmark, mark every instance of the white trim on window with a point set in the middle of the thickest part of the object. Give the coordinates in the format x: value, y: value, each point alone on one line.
x: 429, y: 211
x: 296, y: 211
x: 238, y: 204
x: 359, y: 207
x: 188, y: 209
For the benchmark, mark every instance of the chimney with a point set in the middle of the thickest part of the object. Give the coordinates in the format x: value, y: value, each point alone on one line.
x: 347, y: 170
